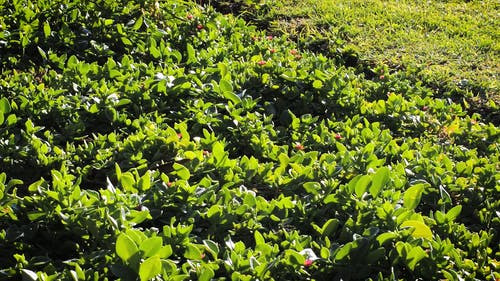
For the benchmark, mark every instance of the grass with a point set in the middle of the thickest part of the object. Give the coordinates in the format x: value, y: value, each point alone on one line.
x: 452, y: 46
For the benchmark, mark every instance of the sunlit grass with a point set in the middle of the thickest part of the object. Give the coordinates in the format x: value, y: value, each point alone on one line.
x: 451, y: 43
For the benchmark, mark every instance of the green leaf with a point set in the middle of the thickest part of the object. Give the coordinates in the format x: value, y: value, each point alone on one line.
x: 259, y: 239
x: 165, y: 252
x: 294, y: 258
x: 137, y: 24
x: 118, y: 172
x: 206, y: 274
x: 379, y: 180
x: 415, y: 255
x: 2, y: 118
x: 4, y: 106
x: 218, y: 152
x: 191, y: 54
x: 127, y: 181
x: 211, y: 247
x: 181, y: 171
x: 343, y: 251
x: 46, y: 29
x: 11, y: 120
x: 151, y: 246
x: 225, y: 85
x: 412, y: 196
x: 150, y: 268
x: 214, y: 210
x: 329, y: 227
x: 192, y: 252
x: 421, y: 230
x: 125, y: 247
x: 362, y: 184
x: 386, y: 237
x: 145, y: 181
x: 317, y: 84
x: 312, y: 187
x: 452, y: 214
x: 227, y: 91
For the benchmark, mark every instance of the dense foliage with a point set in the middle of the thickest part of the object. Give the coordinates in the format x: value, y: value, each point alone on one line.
x: 162, y: 140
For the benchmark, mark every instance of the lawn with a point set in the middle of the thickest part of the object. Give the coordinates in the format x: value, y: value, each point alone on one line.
x: 452, y: 46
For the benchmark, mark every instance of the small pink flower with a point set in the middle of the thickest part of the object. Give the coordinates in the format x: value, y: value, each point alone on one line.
x: 308, y: 263
x: 169, y: 184
x: 179, y: 135
x: 299, y: 146
x: 199, y: 26
x: 425, y: 108
x: 189, y: 17
x: 270, y: 37
x: 272, y: 50
x: 262, y: 62
x: 338, y: 137
x: 293, y: 52
x: 382, y: 77
x: 206, y: 153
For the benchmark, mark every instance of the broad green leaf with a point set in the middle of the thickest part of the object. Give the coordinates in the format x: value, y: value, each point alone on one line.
x: 312, y: 187
x: 412, y: 196
x: 165, y: 252
x: 218, y: 152
x: 415, y: 255
x: 453, y: 213
x: 211, y: 247
x: 379, y: 180
x: 125, y: 247
x: 223, y: 69
x: 259, y: 239
x: 11, y: 120
x: 151, y: 246
x: 145, y: 181
x: 386, y: 237
x: 317, y: 84
x: 127, y: 181
x: 4, y: 106
x: 1, y: 118
x: 214, y: 210
x: 225, y: 86
x: 294, y: 258
x: 421, y: 230
x: 362, y: 185
x: 150, y: 268
x: 329, y: 227
x: 206, y: 274
x: 181, y: 171
x: 192, y: 252
x: 343, y: 251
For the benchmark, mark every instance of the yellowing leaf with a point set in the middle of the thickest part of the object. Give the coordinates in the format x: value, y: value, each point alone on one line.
x: 421, y: 229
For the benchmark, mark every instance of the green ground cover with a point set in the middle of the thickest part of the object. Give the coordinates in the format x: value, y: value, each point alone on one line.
x: 452, y: 46
x: 147, y: 140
